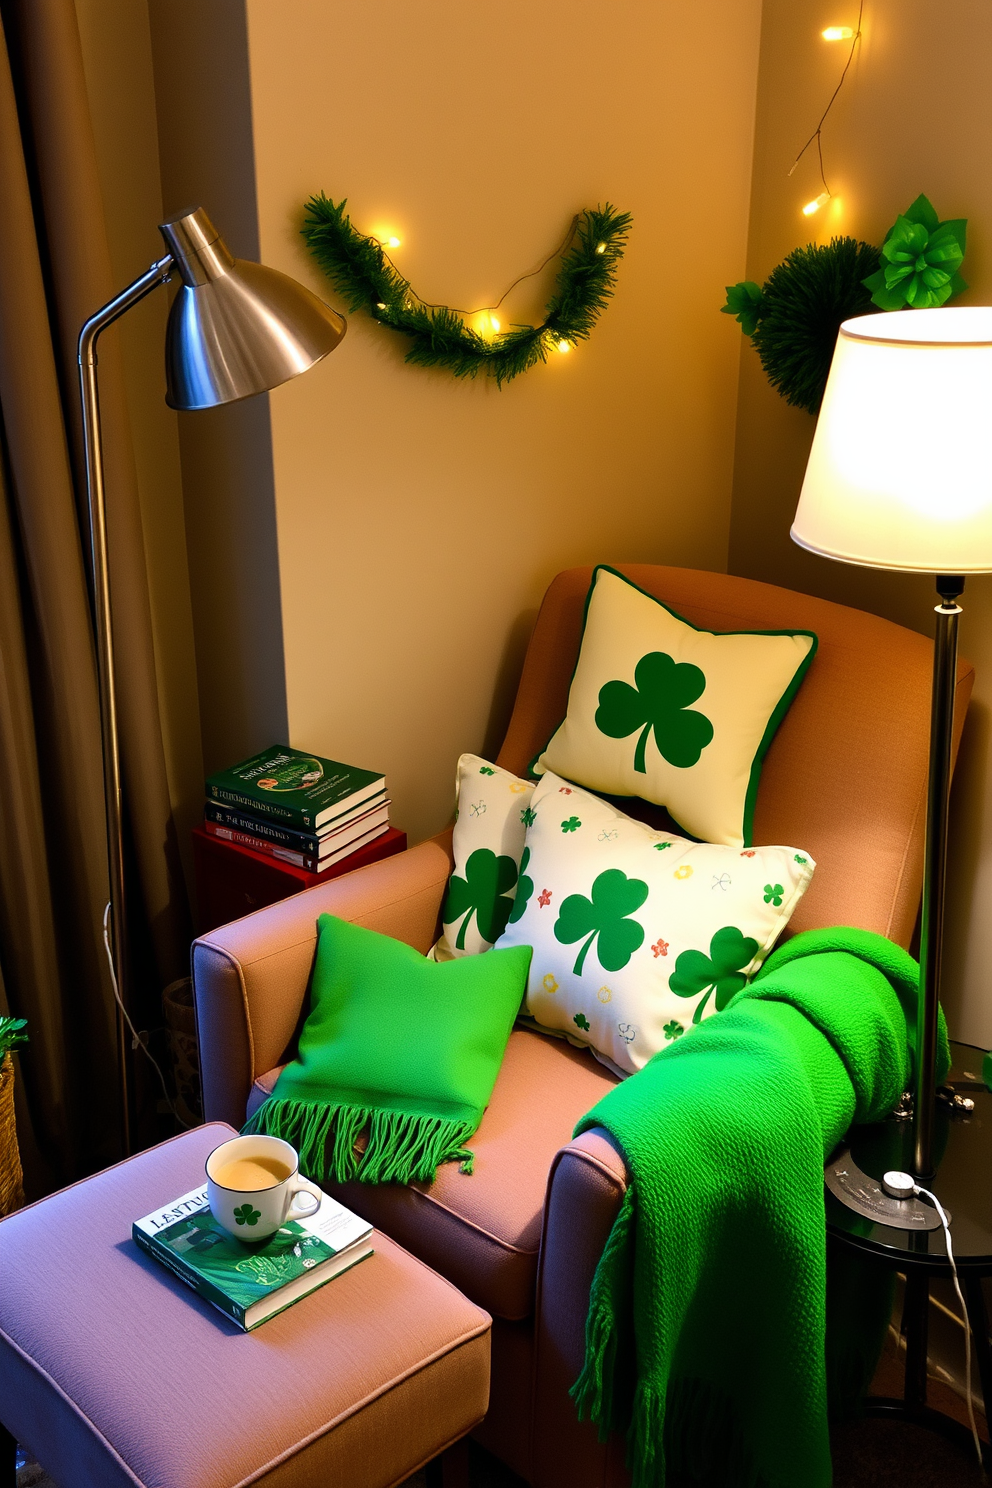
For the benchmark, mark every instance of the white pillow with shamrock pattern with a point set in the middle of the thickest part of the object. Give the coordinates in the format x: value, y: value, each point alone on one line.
x: 678, y: 716
x: 638, y: 934
x: 493, y: 811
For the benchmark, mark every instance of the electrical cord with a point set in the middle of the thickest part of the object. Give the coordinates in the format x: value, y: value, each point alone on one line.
x: 137, y: 1042
x: 901, y: 1186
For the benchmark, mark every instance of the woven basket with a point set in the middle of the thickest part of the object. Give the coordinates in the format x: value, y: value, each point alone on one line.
x: 177, y: 1000
x: 11, y: 1177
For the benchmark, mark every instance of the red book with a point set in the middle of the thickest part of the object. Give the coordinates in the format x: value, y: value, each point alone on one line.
x: 232, y: 881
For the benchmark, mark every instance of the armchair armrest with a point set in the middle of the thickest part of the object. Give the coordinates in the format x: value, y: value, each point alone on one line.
x: 585, y: 1189
x: 250, y: 978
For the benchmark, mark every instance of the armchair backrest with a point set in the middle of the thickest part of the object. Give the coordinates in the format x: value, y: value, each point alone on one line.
x: 845, y: 776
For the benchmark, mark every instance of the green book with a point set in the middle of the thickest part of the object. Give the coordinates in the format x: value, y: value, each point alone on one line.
x: 294, y: 789
x: 251, y: 1283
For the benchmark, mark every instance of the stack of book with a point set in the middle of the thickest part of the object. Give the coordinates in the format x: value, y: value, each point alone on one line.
x: 297, y: 807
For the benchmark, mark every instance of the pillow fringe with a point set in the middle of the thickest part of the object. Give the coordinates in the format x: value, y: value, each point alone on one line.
x: 402, y: 1147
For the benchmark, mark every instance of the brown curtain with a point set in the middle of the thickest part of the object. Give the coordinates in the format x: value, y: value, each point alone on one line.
x: 54, y: 272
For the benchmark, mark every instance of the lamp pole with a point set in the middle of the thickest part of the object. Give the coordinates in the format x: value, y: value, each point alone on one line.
x: 113, y: 794
x: 945, y: 666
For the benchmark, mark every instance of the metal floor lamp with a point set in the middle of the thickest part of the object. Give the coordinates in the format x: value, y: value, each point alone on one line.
x: 235, y: 329
x: 900, y: 477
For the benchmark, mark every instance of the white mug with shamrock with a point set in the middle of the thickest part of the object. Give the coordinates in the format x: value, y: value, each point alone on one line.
x: 254, y: 1186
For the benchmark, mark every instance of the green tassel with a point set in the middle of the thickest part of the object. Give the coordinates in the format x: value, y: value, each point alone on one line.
x: 401, y: 1148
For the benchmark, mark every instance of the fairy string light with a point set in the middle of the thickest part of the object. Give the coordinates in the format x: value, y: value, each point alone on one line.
x: 832, y: 33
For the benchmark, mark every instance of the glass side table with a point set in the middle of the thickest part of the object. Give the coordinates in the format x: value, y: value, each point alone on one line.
x: 963, y: 1184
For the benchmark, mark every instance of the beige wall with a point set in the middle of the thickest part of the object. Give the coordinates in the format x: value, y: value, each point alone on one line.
x: 420, y: 519
x: 117, y: 58
x: 913, y: 116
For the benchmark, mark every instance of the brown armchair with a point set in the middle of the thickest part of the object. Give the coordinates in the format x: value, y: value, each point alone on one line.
x: 845, y: 778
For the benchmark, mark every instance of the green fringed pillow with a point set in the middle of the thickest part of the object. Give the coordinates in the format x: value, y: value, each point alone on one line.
x: 399, y: 1049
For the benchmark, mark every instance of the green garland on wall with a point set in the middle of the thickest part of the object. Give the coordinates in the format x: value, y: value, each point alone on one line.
x: 367, y: 279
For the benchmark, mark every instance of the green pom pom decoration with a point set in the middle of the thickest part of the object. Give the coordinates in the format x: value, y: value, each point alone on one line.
x: 802, y: 305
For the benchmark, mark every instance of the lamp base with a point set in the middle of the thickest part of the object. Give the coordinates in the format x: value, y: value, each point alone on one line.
x: 865, y: 1195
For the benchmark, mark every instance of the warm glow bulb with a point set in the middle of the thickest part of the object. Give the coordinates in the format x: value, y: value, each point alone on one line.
x: 494, y: 323
x: 564, y: 346
x: 393, y: 242
x: 600, y: 247
x: 837, y: 33
x: 814, y: 206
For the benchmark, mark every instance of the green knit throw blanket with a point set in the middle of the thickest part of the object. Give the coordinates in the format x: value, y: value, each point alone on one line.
x: 705, y: 1337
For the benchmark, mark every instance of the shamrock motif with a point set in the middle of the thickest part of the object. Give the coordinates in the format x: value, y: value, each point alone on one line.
x: 684, y: 870
x: 659, y: 701
x: 477, y: 808
x: 744, y: 304
x: 549, y: 984
x: 660, y: 846
x: 720, y: 972
x: 920, y: 261
x: 528, y: 816
x: 660, y: 948
x: 565, y: 790
x: 773, y: 894
x: 721, y: 881
x: 748, y: 852
x: 627, y: 1032
x: 800, y: 859
x: 605, y: 914
x: 487, y: 770
x: 247, y: 1215
x: 608, y: 835
x: 581, y: 1021
x: 544, y: 898
x: 605, y: 995
x: 525, y: 887
x: 572, y: 825
x: 517, y: 786
x: 482, y: 892
x: 673, y: 1030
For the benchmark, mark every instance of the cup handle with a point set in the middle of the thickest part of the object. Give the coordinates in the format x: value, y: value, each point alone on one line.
x: 304, y: 1190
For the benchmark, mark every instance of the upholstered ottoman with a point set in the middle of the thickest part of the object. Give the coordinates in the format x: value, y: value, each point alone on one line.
x: 113, y: 1373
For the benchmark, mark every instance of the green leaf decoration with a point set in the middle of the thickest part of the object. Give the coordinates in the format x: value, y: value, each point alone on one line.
x: 721, y: 972
x: 486, y: 770
x: 528, y: 816
x: 673, y: 1030
x: 773, y: 894
x: 572, y: 825
x: 744, y: 302
x: 799, y: 858
x: 921, y: 257
x: 581, y: 1021
x: 604, y: 915
x: 659, y: 701
x: 488, y: 879
x: 363, y: 274
x: 248, y: 1215
x: 12, y: 1034
x: 525, y: 888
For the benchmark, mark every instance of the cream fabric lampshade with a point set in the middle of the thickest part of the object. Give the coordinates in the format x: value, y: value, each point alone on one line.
x: 900, y: 473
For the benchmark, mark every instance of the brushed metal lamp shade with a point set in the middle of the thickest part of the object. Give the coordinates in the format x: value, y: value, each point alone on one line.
x: 236, y: 328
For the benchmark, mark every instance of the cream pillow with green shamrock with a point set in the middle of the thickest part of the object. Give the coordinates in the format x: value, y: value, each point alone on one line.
x: 678, y: 716
x: 638, y: 934
x: 493, y: 811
